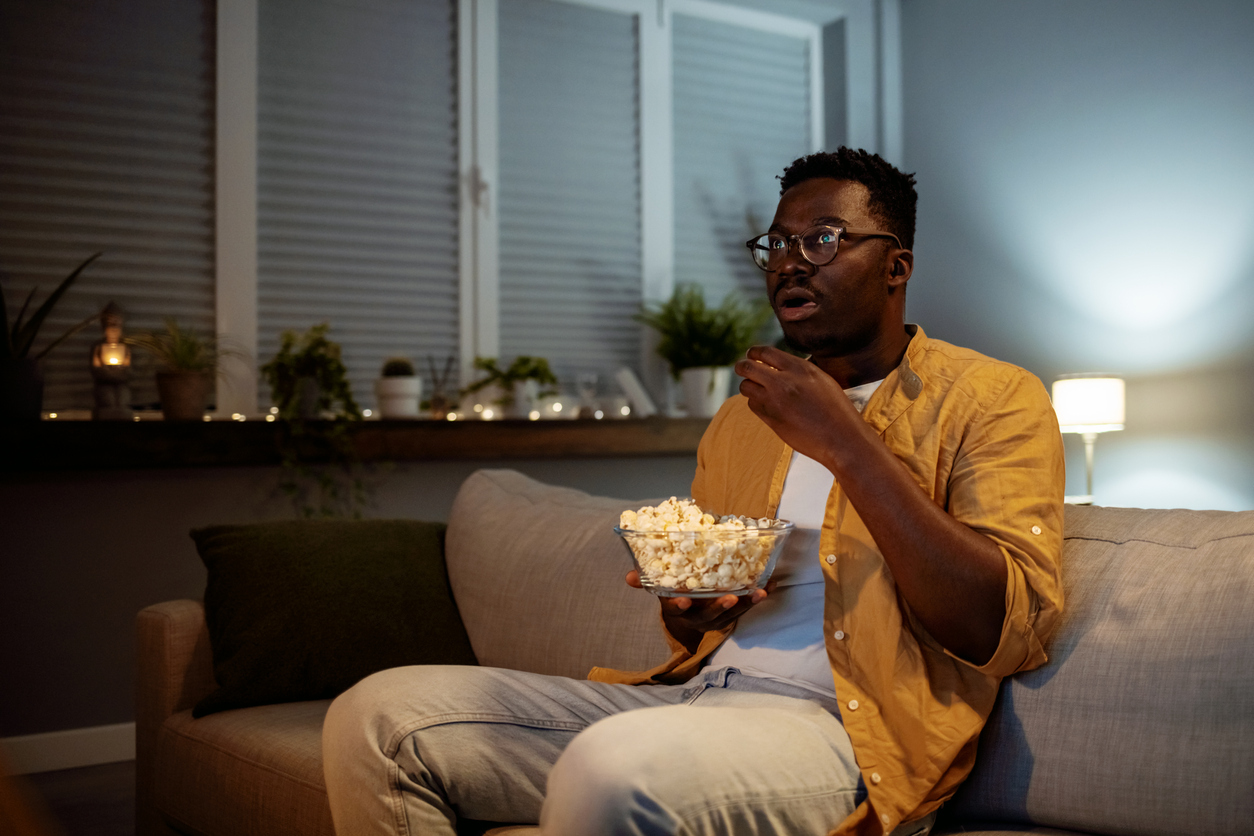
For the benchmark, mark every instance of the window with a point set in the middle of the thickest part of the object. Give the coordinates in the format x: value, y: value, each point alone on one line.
x: 432, y: 177
x: 357, y: 179
x: 106, y: 144
x: 569, y: 186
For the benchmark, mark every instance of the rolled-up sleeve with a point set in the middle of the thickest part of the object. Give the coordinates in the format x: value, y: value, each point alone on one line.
x: 1007, y: 483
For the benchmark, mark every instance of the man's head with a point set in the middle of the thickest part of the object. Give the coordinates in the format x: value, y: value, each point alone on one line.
x: 892, y: 196
x: 851, y: 302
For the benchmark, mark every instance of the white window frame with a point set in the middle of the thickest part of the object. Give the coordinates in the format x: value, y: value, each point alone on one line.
x: 873, y: 80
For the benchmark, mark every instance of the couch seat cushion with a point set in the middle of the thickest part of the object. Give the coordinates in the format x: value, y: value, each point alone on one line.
x: 249, y: 771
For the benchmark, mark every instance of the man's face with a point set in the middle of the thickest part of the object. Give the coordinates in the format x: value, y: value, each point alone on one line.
x: 842, y: 307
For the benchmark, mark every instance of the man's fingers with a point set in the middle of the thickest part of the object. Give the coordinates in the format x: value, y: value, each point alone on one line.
x: 633, y: 579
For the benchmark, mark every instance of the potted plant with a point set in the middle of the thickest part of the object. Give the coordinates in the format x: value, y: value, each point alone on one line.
x: 308, y: 378
x: 701, y: 343
x: 398, y: 390
x: 186, y: 366
x: 21, y: 384
x: 519, y: 383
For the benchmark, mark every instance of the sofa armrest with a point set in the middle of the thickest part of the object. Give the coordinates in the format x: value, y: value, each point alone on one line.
x: 174, y: 670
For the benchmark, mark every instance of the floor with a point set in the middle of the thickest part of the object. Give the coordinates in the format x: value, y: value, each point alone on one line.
x: 90, y: 800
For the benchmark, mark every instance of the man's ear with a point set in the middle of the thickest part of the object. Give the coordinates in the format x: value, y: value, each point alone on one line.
x: 900, y: 269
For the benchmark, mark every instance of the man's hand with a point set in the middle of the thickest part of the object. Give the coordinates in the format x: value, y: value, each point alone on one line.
x: 803, y: 404
x: 688, y: 619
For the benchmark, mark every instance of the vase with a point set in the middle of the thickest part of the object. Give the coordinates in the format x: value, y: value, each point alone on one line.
x: 398, y: 397
x: 183, y: 394
x: 526, y: 398
x: 705, y: 389
x: 21, y: 390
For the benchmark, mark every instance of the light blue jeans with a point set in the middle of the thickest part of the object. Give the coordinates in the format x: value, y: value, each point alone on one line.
x: 410, y: 750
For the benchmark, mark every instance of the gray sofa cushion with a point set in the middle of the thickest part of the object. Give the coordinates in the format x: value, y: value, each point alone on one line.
x: 556, y: 602
x: 1143, y: 719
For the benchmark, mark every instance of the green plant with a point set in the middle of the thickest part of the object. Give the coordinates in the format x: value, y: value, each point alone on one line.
x: 310, y: 357
x: 523, y: 368
x: 19, y: 338
x: 695, y: 335
x: 322, y: 472
x: 397, y: 367
x: 180, y: 350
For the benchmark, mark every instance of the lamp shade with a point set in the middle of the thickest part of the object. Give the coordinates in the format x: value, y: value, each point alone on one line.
x: 1089, y: 404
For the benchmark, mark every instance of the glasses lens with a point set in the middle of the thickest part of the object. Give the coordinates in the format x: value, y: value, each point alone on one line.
x: 819, y: 244
x: 765, y: 248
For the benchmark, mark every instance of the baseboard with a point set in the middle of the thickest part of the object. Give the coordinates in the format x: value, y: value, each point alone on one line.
x: 69, y: 748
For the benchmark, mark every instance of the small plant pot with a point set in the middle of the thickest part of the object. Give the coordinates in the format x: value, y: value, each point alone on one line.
x: 526, y: 398
x: 183, y: 395
x: 705, y: 389
x: 398, y: 397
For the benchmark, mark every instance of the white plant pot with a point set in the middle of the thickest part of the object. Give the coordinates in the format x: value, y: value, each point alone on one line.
x: 398, y: 397
x: 526, y: 398
x: 705, y: 389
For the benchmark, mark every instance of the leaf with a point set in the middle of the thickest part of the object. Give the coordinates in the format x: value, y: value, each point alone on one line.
x: 23, y: 338
x: 79, y: 327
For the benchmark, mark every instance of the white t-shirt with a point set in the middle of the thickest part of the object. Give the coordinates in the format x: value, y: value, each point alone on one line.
x: 782, y: 638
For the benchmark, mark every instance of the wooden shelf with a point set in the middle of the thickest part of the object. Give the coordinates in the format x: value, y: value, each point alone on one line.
x: 107, y: 445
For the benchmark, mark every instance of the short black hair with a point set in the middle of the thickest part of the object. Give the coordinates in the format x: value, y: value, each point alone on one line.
x: 892, y: 194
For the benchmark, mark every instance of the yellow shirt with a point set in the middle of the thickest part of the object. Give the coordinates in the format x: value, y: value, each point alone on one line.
x: 981, y: 439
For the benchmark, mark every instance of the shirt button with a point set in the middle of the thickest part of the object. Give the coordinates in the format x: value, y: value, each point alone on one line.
x: 853, y: 705
x: 831, y: 558
x: 875, y: 778
x: 839, y: 635
x: 884, y: 818
x: 1036, y: 529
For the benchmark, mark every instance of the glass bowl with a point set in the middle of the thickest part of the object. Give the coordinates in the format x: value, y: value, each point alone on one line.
x: 705, y: 564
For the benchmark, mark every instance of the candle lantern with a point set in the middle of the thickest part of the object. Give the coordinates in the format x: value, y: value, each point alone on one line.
x: 111, y: 370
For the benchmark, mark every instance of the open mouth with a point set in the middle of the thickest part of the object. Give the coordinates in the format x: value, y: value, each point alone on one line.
x: 794, y: 304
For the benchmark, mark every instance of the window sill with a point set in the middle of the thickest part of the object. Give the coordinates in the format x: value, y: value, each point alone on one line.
x: 110, y: 445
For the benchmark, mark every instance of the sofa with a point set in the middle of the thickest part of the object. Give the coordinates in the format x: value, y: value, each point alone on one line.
x: 1142, y: 721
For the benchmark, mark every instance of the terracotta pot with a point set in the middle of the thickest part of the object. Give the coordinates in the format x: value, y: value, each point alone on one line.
x: 183, y: 395
x: 705, y: 389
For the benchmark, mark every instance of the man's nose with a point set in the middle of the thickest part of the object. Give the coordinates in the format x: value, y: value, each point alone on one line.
x: 794, y: 263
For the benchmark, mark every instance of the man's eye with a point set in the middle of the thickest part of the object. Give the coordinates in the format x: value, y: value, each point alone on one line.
x: 827, y: 237
x: 777, y: 243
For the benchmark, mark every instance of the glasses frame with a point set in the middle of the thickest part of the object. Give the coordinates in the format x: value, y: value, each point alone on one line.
x: 841, y: 232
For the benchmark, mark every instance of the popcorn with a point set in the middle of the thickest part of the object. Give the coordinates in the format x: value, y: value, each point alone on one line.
x: 680, y: 547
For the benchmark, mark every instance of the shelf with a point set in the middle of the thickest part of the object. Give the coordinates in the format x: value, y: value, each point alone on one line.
x: 110, y: 445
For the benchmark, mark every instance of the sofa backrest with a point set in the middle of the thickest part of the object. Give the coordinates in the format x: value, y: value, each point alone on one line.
x: 1142, y: 721
x: 537, y: 572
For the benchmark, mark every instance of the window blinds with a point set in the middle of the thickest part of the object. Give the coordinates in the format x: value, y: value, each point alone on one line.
x: 357, y: 179
x: 741, y: 114
x: 570, y: 266
x: 106, y: 143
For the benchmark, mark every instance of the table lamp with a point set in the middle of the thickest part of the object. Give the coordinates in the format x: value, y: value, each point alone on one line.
x: 1088, y: 404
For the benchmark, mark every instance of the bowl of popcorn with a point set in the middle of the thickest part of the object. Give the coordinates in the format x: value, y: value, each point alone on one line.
x: 681, y: 550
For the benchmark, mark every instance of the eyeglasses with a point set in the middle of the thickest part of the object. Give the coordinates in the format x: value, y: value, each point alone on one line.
x: 818, y: 245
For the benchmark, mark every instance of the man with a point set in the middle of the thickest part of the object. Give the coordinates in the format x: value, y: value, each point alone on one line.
x: 926, y: 483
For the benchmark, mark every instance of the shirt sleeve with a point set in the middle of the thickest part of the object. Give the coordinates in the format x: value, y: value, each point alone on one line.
x: 1007, y: 483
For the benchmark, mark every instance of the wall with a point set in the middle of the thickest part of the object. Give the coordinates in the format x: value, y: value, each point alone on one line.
x: 81, y: 554
x: 1086, y: 182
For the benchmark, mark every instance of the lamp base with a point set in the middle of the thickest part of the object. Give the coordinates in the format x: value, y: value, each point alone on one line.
x: 1079, y: 499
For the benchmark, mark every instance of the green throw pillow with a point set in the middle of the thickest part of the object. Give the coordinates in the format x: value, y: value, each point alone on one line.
x: 303, y: 609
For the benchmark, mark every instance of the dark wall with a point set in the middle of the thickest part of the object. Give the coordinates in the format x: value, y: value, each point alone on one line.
x: 1086, y: 182
x: 81, y: 554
